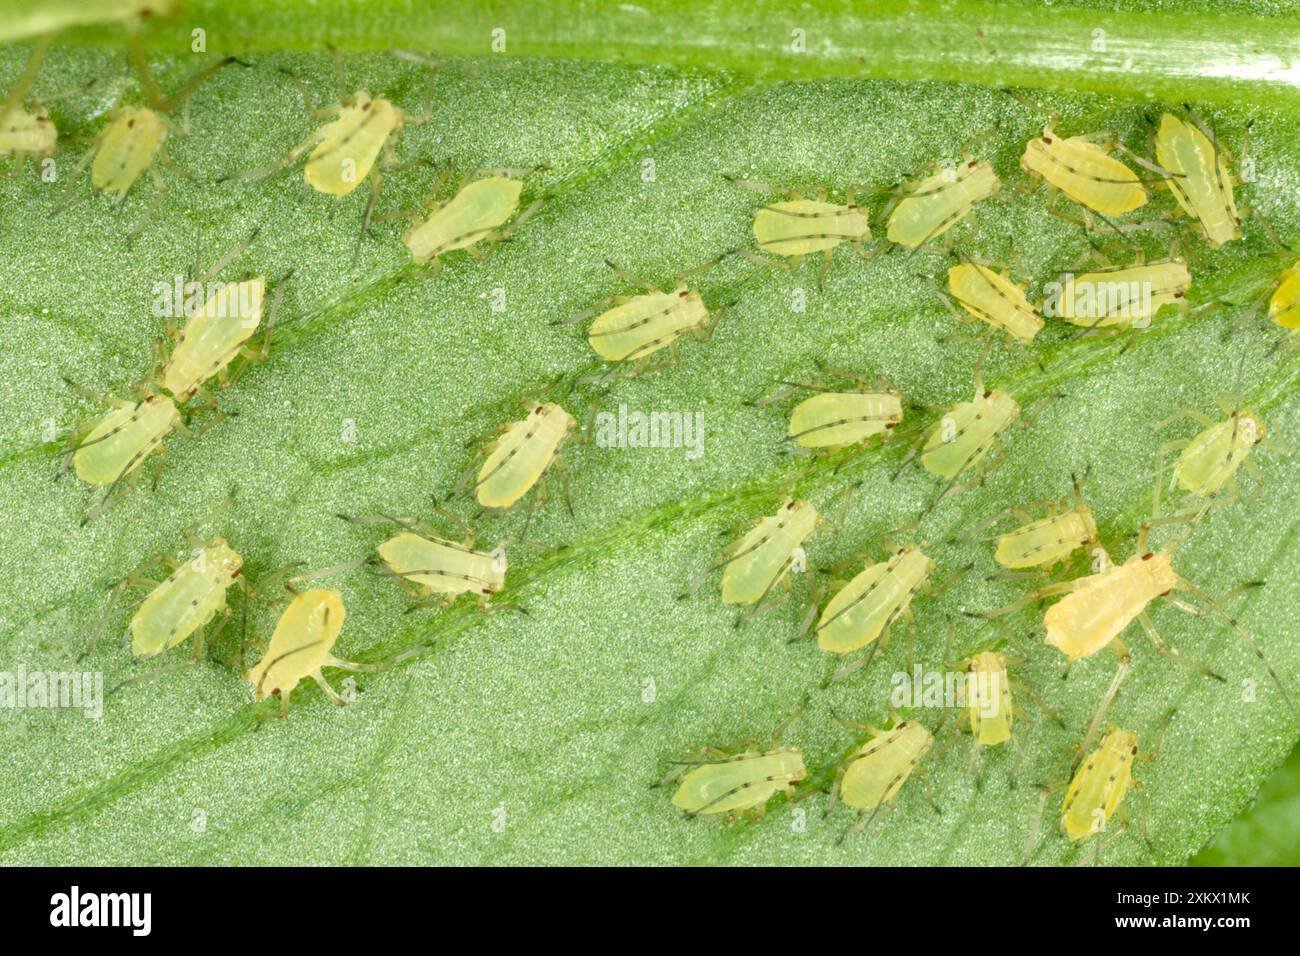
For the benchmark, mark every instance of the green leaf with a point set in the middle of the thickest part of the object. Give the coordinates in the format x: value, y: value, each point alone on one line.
x: 546, y: 721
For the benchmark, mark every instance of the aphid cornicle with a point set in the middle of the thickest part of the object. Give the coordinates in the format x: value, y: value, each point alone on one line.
x: 1099, y: 786
x: 22, y: 133
x: 474, y: 214
x: 301, y: 646
x: 800, y: 226
x: 870, y: 778
x: 932, y: 206
x: 135, y: 137
x: 1085, y: 171
x: 637, y: 327
x: 433, y: 569
x: 1201, y: 179
x: 994, y: 299
x: 519, y: 457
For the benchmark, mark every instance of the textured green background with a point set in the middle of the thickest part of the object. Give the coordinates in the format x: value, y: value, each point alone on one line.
x: 543, y: 715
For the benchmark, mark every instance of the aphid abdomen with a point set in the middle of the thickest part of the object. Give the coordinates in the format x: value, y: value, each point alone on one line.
x: 1202, y: 182
x: 863, y: 608
x: 189, y: 598
x: 802, y: 226
x: 883, y: 764
x: 994, y: 300
x: 645, y: 324
x: 1086, y: 620
x: 1100, y: 784
x: 966, y: 433
x: 832, y: 420
x: 301, y: 643
x: 1085, y: 172
x: 1045, y: 541
x: 739, y: 783
x: 350, y: 145
x: 468, y: 217
x: 31, y: 134
x: 989, y: 699
x: 213, y: 336
x: 521, y: 455
x: 1124, y: 296
x: 123, y: 439
x: 442, y: 567
x: 1214, y: 455
x: 939, y: 202
x: 762, y: 557
x: 128, y: 148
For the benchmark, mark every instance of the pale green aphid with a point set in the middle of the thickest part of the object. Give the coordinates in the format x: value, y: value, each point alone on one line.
x: 1095, y: 793
x: 1202, y: 180
x: 864, y: 608
x: 188, y: 599
x: 521, y: 455
x: 301, y: 646
x: 433, y: 569
x: 1124, y: 297
x: 871, y: 777
x: 22, y: 133
x: 935, y: 204
x: 475, y: 214
x: 116, y: 445
x: 732, y: 785
x: 213, y: 337
x: 1208, y: 463
x: 966, y: 432
x: 135, y: 137
x: 834, y: 420
x: 989, y: 708
x: 1049, y: 540
x: 1085, y: 171
x: 762, y: 558
x: 995, y: 300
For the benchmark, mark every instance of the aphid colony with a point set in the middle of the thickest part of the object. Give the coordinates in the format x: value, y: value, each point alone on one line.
x: 839, y: 415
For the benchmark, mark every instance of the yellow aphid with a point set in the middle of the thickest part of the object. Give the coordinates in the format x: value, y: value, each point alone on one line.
x: 214, y: 336
x: 763, y: 557
x: 745, y: 782
x: 24, y: 133
x: 642, y: 325
x: 875, y: 773
x: 831, y: 420
x: 435, y: 567
x: 127, y: 148
x: 864, y: 608
x: 521, y: 455
x: 801, y: 226
x: 934, y: 205
x: 988, y: 699
x: 300, y: 647
x: 1201, y: 179
x: 1085, y: 171
x: 347, y: 147
x: 117, y: 443
x: 995, y: 300
x: 1121, y: 297
x: 475, y: 214
x: 187, y: 600
x: 1284, y: 304
x: 1046, y: 541
x: 1099, y: 787
x: 966, y: 433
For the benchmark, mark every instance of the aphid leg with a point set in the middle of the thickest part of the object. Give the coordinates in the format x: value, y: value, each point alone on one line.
x: 1047, y: 590
x: 279, y: 166
x: 1172, y: 652
x: 631, y: 279
x: 1108, y: 698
